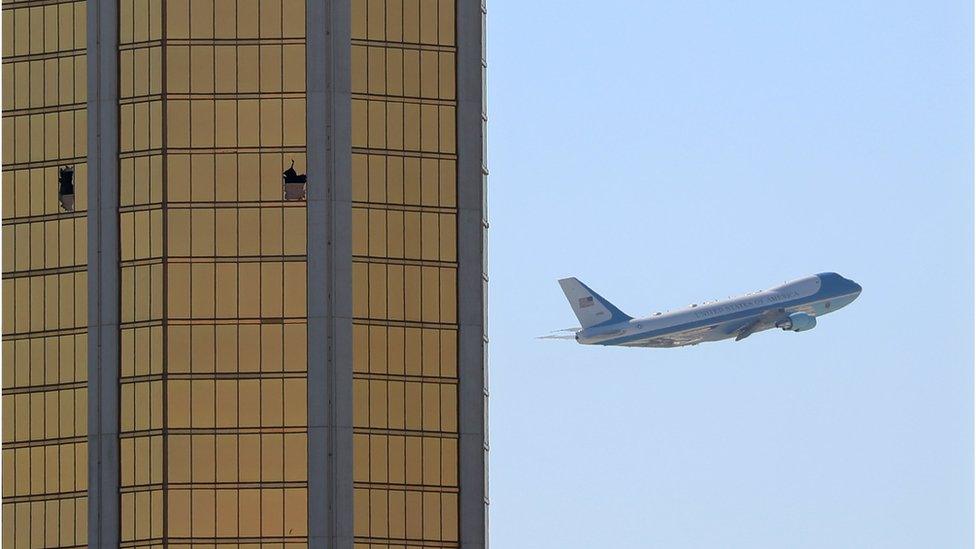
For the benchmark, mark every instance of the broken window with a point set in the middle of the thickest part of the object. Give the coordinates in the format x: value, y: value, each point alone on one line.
x: 66, y: 188
x: 294, y: 183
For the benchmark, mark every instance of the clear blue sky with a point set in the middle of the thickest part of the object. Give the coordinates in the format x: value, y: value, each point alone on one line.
x: 668, y: 152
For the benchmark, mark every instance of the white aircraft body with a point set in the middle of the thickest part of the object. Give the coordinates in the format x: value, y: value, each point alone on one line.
x: 794, y: 306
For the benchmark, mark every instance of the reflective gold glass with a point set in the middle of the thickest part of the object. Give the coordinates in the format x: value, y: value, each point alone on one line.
x: 44, y: 395
x: 404, y: 242
x: 212, y: 111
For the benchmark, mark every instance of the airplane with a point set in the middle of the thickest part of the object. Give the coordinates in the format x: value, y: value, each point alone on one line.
x: 793, y: 306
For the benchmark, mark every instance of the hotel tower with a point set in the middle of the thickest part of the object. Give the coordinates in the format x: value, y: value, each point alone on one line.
x: 244, y: 273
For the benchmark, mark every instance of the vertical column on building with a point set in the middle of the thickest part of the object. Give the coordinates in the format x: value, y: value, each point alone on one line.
x: 472, y: 276
x: 330, y: 499
x: 103, y: 279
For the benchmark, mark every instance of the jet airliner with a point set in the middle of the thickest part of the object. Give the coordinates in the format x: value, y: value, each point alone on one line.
x: 792, y: 306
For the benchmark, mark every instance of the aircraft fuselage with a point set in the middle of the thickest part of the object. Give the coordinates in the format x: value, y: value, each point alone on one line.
x: 792, y: 306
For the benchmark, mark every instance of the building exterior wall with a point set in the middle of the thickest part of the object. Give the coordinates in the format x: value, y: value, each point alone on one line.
x: 45, y: 465
x: 245, y: 347
x: 404, y: 190
x: 213, y: 369
x: 142, y: 328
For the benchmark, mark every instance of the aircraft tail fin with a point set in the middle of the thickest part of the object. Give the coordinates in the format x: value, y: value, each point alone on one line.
x: 590, y: 307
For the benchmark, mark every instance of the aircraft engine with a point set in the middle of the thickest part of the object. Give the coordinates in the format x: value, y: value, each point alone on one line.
x: 798, y: 322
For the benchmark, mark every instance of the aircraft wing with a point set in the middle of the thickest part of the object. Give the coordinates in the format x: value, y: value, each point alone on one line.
x: 748, y: 330
x: 687, y: 337
x: 765, y: 320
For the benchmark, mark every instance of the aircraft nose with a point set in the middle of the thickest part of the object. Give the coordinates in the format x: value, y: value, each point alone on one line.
x: 855, y: 286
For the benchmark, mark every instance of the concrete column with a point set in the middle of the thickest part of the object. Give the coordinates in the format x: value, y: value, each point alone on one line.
x: 472, y: 280
x: 330, y: 487
x: 103, y: 274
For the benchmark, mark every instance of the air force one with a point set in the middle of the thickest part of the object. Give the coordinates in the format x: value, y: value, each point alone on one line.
x: 793, y: 306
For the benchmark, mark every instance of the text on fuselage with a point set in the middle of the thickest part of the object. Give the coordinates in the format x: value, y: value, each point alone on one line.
x: 750, y: 304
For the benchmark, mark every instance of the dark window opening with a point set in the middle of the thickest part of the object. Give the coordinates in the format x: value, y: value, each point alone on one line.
x: 66, y: 188
x: 294, y: 183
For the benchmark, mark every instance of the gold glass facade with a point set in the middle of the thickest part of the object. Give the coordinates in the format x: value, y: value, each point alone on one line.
x: 213, y: 300
x: 141, y: 242
x: 45, y: 408
x: 404, y: 185
x: 213, y: 447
